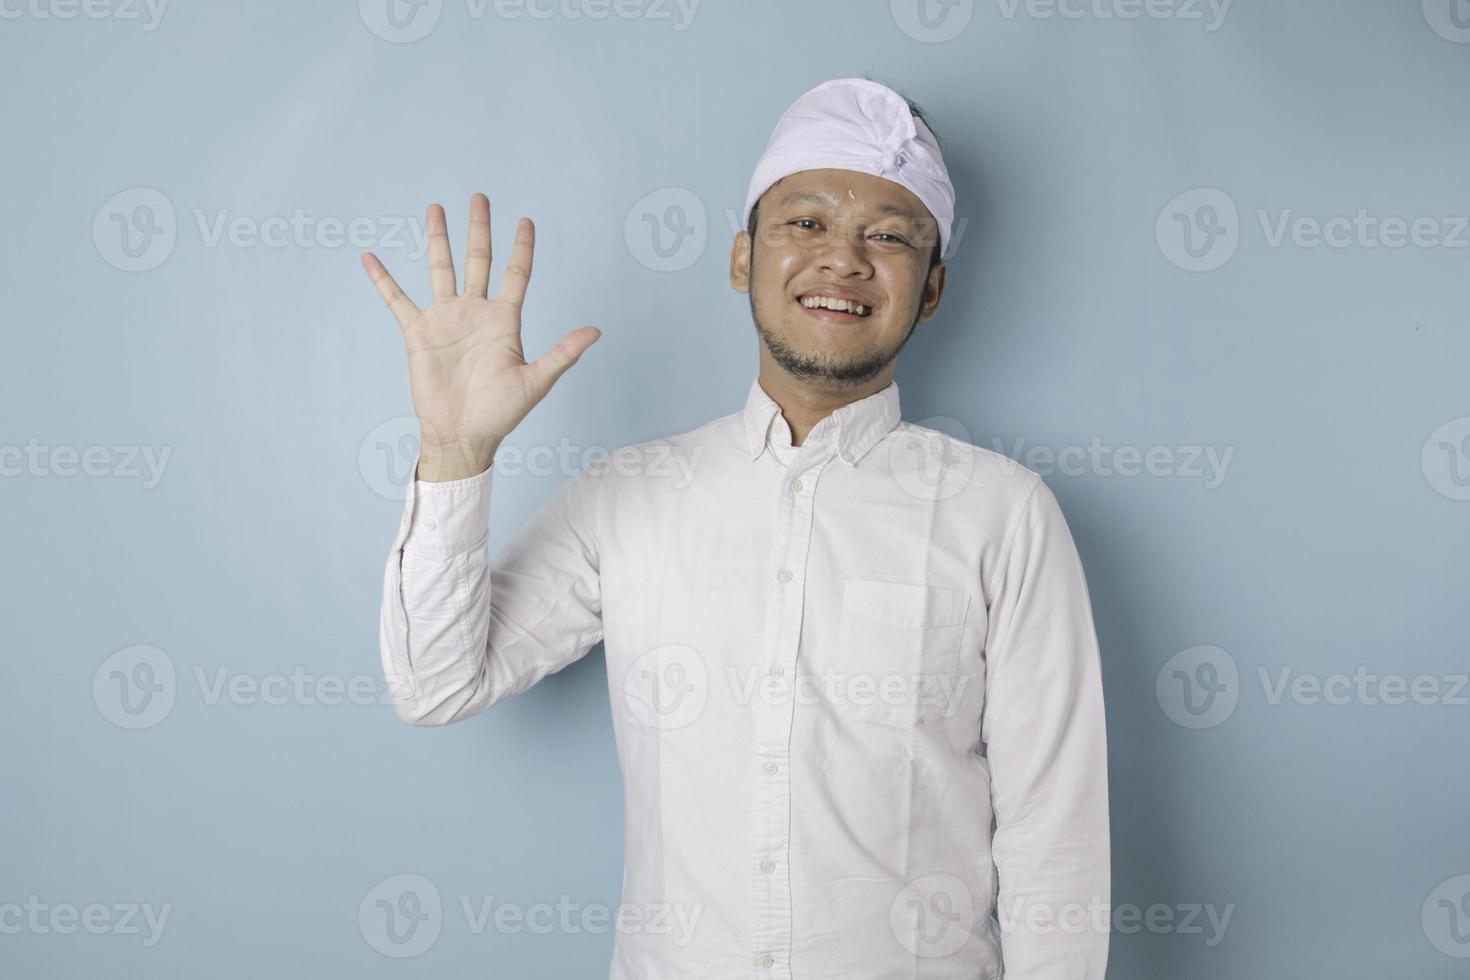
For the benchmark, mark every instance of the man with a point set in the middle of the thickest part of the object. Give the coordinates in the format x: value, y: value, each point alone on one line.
x: 855, y: 682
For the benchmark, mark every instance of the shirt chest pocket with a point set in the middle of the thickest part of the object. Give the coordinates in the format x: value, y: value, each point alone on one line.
x: 899, y: 651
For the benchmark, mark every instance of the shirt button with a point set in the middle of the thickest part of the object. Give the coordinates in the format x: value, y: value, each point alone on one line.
x: 771, y: 768
x: 776, y: 670
x: 768, y: 865
x: 767, y: 962
x: 847, y: 457
x: 430, y: 523
x: 784, y: 575
x: 795, y: 486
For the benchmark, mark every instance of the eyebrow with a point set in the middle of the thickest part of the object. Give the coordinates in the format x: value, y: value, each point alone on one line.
x: 813, y: 197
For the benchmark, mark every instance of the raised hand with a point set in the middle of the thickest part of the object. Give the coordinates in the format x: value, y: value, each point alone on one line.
x: 469, y: 376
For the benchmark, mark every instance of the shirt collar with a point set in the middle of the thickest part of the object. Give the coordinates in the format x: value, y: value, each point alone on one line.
x: 859, y: 425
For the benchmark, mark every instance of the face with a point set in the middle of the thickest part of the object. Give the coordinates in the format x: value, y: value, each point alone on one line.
x: 829, y: 236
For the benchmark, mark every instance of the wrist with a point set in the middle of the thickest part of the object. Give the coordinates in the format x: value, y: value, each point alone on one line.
x: 457, y: 460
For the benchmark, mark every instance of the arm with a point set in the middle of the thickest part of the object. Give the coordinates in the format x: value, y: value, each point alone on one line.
x: 1044, y: 730
x: 456, y: 635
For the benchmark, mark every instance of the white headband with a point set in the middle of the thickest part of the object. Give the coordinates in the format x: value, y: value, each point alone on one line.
x: 856, y: 124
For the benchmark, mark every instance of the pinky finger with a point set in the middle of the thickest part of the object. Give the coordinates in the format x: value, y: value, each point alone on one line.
x: 404, y: 311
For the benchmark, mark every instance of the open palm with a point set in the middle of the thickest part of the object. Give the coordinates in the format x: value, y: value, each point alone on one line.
x: 470, y: 380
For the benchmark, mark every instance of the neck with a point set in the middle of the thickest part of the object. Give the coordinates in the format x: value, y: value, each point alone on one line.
x: 804, y: 403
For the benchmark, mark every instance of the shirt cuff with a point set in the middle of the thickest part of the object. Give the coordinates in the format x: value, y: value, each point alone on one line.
x: 441, y: 520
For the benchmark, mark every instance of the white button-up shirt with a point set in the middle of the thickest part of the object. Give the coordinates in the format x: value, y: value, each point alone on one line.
x: 832, y: 667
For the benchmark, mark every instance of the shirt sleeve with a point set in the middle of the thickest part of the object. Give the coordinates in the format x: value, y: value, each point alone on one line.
x: 458, y: 633
x: 1044, y: 730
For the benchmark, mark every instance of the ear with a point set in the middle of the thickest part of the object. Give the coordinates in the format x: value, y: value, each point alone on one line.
x: 933, y: 290
x: 740, y: 262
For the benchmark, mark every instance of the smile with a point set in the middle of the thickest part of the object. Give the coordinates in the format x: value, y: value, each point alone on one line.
x: 834, y: 309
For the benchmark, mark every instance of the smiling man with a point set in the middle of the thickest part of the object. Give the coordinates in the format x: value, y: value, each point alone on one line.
x: 855, y: 683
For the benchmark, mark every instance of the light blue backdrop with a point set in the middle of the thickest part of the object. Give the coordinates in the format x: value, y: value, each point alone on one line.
x: 1210, y: 279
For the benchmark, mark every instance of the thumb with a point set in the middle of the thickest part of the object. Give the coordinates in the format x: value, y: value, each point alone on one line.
x: 554, y: 363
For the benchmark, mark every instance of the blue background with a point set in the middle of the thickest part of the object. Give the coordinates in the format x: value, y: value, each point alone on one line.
x: 1082, y: 147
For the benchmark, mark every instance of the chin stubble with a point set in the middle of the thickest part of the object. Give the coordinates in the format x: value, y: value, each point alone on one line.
x: 820, y: 366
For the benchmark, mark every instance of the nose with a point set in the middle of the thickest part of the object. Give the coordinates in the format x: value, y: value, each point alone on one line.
x: 844, y: 254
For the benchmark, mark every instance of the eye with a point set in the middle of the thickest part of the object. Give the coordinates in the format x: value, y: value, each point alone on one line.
x: 803, y: 223
x: 899, y: 239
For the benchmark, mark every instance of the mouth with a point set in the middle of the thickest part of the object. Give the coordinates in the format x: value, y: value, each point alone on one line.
x: 834, y: 309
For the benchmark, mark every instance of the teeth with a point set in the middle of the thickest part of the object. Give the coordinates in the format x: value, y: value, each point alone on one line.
x: 840, y: 305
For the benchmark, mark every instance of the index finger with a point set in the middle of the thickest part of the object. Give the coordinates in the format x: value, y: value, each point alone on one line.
x: 404, y: 311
